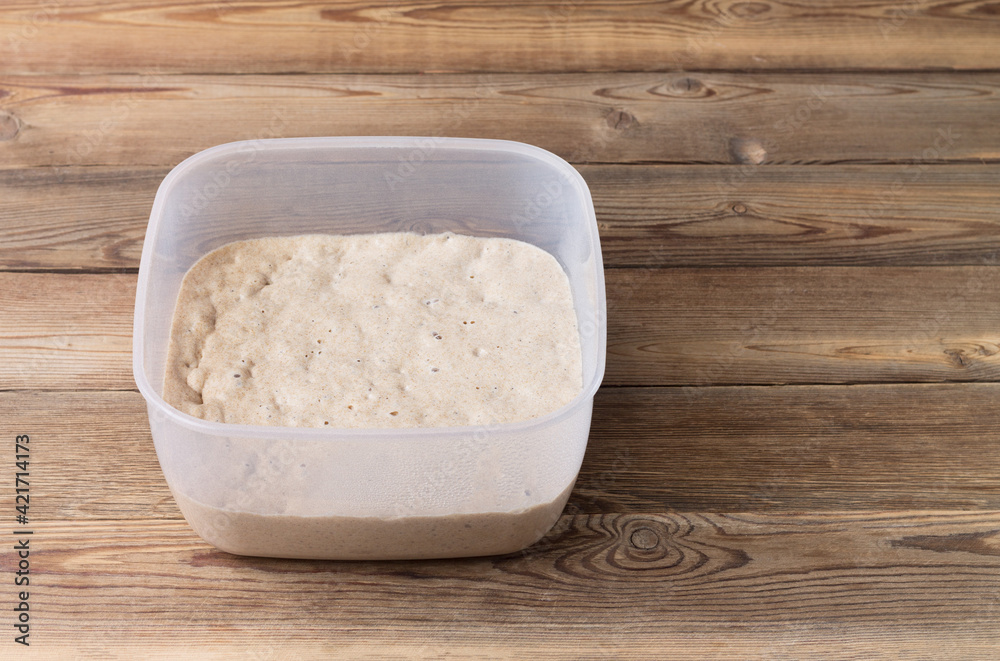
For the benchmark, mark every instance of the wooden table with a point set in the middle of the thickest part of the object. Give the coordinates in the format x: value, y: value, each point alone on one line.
x: 796, y: 451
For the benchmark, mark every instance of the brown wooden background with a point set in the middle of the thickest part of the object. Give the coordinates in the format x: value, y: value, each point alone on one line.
x: 796, y: 453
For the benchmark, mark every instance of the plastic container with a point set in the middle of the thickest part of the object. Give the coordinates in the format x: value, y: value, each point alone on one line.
x: 371, y: 493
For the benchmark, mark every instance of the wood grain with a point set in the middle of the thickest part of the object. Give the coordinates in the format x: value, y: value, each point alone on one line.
x: 94, y: 218
x: 92, y: 456
x: 759, y: 586
x: 569, y: 35
x: 75, y: 218
x: 713, y: 216
x: 792, y: 448
x: 678, y: 327
x: 788, y: 193
x: 802, y: 325
x: 68, y: 332
x: 706, y: 118
x: 732, y: 449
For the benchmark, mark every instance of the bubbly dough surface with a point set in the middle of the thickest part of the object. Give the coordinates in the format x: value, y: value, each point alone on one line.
x: 374, y: 330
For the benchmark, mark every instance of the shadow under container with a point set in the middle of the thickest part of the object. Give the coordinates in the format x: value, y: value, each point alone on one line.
x: 369, y: 493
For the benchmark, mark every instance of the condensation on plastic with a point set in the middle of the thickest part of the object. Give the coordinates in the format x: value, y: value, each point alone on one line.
x: 284, y: 187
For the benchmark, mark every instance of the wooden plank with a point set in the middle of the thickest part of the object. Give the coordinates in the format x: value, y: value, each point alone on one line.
x: 649, y: 215
x: 796, y: 216
x: 682, y: 327
x: 694, y: 327
x: 638, y: 585
x: 75, y: 218
x: 746, y: 119
x: 792, y: 448
x: 732, y: 449
x: 66, y: 332
x: 566, y: 35
x: 91, y: 455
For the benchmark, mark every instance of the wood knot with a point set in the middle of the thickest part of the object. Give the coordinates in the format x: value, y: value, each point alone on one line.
x: 9, y: 126
x: 647, y: 542
x: 645, y: 548
x: 687, y: 85
x: 620, y: 120
x: 644, y: 538
x: 684, y: 87
x: 739, y: 208
x: 958, y: 358
x: 749, y: 9
x: 747, y: 150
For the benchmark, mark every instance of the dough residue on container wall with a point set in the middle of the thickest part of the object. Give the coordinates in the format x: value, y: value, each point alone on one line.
x: 374, y: 330
x: 373, y: 538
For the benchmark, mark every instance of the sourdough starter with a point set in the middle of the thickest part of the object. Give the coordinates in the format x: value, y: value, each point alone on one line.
x: 374, y: 330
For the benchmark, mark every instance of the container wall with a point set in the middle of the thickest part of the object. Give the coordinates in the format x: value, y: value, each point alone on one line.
x: 472, y: 471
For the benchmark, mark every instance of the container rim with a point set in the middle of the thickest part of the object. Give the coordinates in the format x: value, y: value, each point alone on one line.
x: 155, y: 401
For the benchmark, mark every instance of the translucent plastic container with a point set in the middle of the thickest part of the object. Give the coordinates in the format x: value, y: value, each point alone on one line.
x: 370, y: 493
